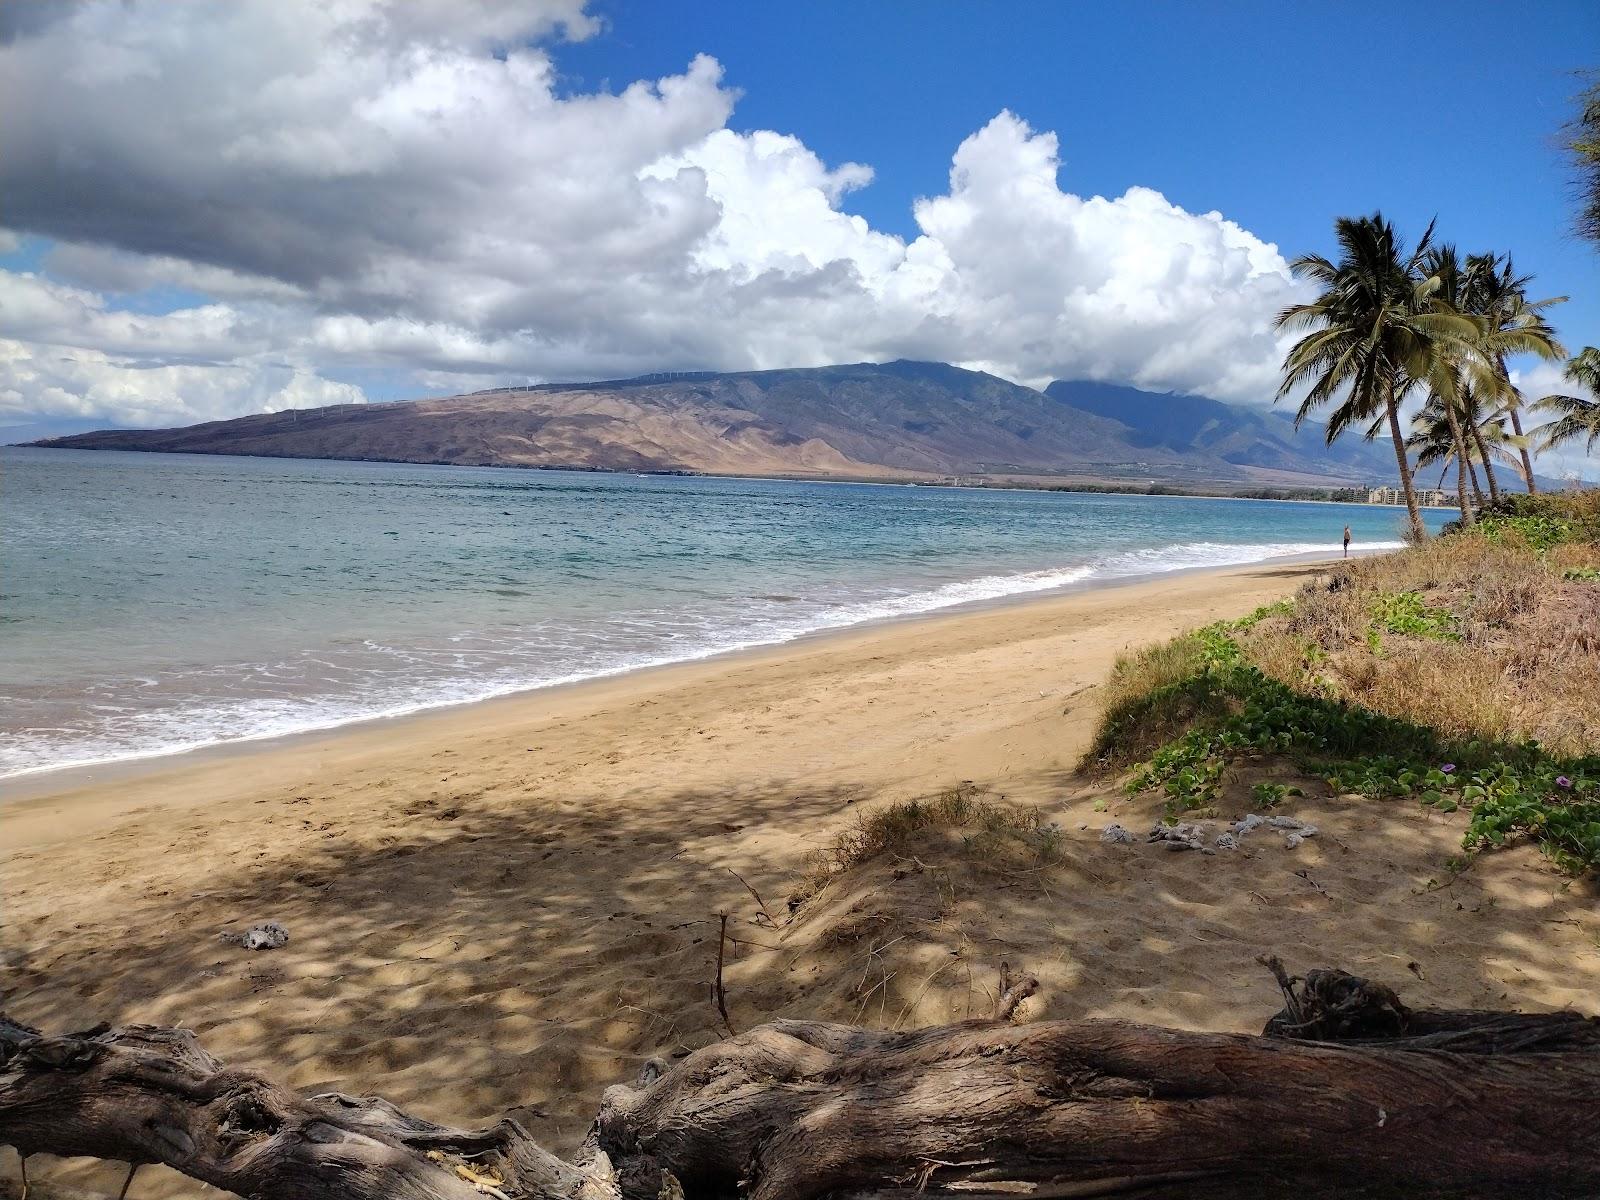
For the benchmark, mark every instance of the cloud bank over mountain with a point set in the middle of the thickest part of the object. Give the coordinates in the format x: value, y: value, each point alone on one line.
x: 247, y: 205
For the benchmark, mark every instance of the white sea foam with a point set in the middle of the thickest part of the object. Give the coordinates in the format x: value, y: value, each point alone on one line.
x: 399, y: 681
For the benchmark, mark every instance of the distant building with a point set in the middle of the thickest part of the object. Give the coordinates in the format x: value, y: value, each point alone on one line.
x: 1426, y: 497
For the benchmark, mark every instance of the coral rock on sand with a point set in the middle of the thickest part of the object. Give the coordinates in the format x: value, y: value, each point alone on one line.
x: 1293, y: 826
x: 1116, y: 834
x: 269, y: 935
x: 1182, y: 836
x: 1295, y: 831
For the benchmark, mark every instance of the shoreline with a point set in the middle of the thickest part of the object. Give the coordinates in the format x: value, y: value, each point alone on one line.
x: 36, y: 805
x: 45, y: 781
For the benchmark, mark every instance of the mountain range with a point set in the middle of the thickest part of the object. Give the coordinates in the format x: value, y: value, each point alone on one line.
x: 896, y: 420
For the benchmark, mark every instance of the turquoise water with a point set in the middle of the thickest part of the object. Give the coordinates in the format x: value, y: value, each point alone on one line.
x: 158, y: 603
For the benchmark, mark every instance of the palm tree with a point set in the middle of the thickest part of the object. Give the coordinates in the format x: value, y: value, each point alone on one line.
x: 1435, y: 438
x: 1494, y: 293
x: 1576, y: 416
x: 1445, y: 383
x: 1374, y: 332
x: 1473, y: 423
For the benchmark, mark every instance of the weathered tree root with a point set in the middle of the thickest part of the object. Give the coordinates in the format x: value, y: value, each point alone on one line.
x: 1349, y: 1092
x: 144, y: 1094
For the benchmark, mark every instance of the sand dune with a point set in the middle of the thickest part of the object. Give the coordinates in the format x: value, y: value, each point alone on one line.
x: 504, y: 908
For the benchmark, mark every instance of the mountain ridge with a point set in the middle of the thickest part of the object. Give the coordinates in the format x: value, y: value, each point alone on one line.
x: 1241, y: 435
x: 904, y: 419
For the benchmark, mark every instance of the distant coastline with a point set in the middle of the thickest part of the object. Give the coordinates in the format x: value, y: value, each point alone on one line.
x: 1088, y: 485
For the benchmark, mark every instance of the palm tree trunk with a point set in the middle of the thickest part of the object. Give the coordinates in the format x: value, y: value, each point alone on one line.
x: 1527, y: 459
x: 1483, y: 457
x: 1477, y: 492
x: 1417, y: 530
x: 1461, y: 459
x: 1516, y: 425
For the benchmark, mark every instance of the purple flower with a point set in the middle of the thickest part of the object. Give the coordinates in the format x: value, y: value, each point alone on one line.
x: 1448, y: 768
x: 1563, y: 781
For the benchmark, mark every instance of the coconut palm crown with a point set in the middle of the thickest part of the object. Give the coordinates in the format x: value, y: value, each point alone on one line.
x: 1494, y: 294
x: 1577, y: 418
x: 1373, y: 333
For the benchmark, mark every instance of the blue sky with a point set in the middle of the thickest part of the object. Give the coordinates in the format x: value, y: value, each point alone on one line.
x: 225, y: 208
x: 1282, y: 116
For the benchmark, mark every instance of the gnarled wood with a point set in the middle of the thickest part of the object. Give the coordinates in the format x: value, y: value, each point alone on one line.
x: 144, y: 1094
x: 1387, y: 1101
x: 797, y: 1109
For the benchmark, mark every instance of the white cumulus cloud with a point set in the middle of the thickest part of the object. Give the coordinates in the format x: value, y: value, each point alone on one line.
x: 397, y: 185
x: 58, y: 381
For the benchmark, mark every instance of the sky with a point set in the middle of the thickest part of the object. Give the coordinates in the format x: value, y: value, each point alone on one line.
x: 212, y: 209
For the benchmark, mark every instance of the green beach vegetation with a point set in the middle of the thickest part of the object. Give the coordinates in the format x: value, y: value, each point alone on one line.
x: 1459, y: 673
x: 1582, y: 142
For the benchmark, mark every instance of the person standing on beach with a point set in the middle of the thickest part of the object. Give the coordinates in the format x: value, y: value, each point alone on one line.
x: 1347, y: 541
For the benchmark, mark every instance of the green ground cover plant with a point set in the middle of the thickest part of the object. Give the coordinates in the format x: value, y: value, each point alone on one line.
x: 1513, y: 620
x: 1408, y: 614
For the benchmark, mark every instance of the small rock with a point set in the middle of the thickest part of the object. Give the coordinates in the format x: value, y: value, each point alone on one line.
x: 1116, y: 835
x: 1182, y: 836
x: 269, y: 935
x: 1226, y: 841
x: 1295, y: 831
x: 1252, y: 821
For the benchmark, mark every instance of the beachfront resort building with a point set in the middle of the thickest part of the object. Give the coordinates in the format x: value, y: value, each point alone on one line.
x: 1426, y: 497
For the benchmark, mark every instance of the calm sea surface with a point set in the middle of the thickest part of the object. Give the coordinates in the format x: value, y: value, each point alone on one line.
x: 158, y: 603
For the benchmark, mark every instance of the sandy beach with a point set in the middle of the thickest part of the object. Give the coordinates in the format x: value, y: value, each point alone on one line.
x: 505, y: 907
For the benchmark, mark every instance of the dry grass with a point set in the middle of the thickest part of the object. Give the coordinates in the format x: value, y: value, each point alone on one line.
x: 1578, y: 512
x: 995, y: 834
x: 1135, y: 676
x: 1152, y: 696
x: 1526, y: 665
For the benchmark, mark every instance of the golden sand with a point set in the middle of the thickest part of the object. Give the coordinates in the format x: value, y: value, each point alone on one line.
x: 506, y: 907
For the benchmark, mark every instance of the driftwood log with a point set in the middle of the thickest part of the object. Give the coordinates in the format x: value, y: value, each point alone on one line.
x: 1347, y: 1092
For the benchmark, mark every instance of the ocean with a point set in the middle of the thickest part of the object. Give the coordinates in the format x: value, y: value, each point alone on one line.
x: 153, y: 603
